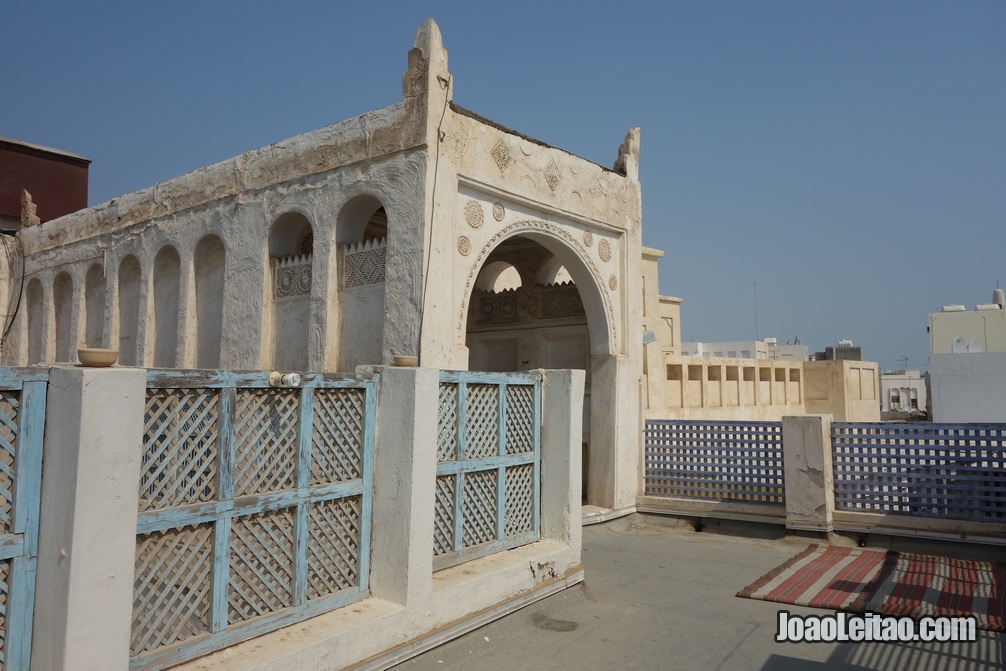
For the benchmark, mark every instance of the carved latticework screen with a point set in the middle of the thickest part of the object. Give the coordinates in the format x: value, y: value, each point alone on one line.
x: 488, y: 470
x: 254, y: 507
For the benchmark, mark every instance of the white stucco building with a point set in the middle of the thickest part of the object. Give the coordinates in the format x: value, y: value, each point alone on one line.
x: 967, y: 363
x: 378, y: 236
x: 903, y: 391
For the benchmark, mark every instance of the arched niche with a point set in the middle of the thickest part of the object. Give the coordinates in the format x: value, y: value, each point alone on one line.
x: 34, y: 304
x: 208, y: 265
x: 552, y: 271
x: 94, y: 306
x: 62, y: 303
x: 129, y: 310
x: 498, y: 276
x: 291, y: 271
x: 167, y: 283
x: 362, y: 219
x: 361, y: 235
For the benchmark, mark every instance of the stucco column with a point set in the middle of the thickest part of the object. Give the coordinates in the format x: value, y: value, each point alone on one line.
x: 615, y: 434
x: 807, y: 467
x: 87, y: 530
x: 405, y: 473
x: 561, y: 436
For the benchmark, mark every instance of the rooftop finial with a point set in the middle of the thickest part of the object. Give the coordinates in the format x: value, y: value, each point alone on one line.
x: 427, y: 62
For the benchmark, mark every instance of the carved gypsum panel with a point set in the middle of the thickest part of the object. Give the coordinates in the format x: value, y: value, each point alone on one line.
x: 363, y: 268
x: 171, y: 586
x: 501, y: 155
x: 473, y: 214
x: 552, y: 175
x: 179, y: 458
x: 292, y: 277
x: 496, y: 308
x: 561, y: 300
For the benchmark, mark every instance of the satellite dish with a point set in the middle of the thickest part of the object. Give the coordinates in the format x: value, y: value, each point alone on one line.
x: 975, y: 346
x: 960, y: 346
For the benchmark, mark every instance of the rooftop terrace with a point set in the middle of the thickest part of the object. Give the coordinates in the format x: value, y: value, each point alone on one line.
x: 658, y: 595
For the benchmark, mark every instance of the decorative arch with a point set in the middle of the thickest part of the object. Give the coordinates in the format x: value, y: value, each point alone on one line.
x: 94, y: 306
x: 574, y: 256
x: 34, y: 299
x: 208, y: 265
x: 552, y: 271
x: 361, y: 219
x: 62, y: 304
x: 291, y: 235
x: 498, y: 276
x: 129, y: 310
x: 290, y: 273
x: 167, y: 284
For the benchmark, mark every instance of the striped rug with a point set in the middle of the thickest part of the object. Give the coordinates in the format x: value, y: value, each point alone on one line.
x: 890, y: 583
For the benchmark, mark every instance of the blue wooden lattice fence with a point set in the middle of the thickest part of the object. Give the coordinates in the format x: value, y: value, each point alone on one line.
x: 719, y: 460
x: 22, y: 426
x: 254, y: 507
x: 489, y: 463
x: 953, y: 471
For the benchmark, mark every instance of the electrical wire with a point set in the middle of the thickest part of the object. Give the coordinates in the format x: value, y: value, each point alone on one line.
x: 433, y: 209
x: 20, y: 293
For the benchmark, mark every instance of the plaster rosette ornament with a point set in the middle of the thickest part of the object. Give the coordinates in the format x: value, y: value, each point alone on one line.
x: 464, y: 246
x: 473, y: 214
x: 604, y: 250
x: 498, y: 211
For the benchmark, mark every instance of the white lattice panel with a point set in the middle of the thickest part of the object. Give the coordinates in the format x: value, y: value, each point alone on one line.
x: 179, y: 448
x: 171, y: 586
x: 261, y: 576
x: 519, y: 419
x: 337, y: 436
x: 4, y: 582
x: 10, y: 404
x: 519, y: 499
x: 443, y: 516
x: 333, y: 546
x: 447, y: 423
x: 479, y: 505
x: 265, y: 443
x: 482, y: 421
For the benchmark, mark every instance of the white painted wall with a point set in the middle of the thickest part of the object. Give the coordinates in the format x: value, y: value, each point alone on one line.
x: 968, y: 387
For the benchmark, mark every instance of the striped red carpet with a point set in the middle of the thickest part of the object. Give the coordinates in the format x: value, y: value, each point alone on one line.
x: 890, y: 583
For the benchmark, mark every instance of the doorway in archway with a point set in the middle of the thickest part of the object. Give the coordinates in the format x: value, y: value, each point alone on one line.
x: 526, y: 312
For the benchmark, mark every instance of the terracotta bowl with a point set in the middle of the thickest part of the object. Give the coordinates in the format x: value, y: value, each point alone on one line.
x: 97, y: 357
x: 411, y: 361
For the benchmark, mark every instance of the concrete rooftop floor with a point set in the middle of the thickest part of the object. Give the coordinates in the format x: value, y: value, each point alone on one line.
x: 658, y: 595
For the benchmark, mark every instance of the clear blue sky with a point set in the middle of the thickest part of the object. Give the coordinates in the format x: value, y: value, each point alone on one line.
x: 848, y: 157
